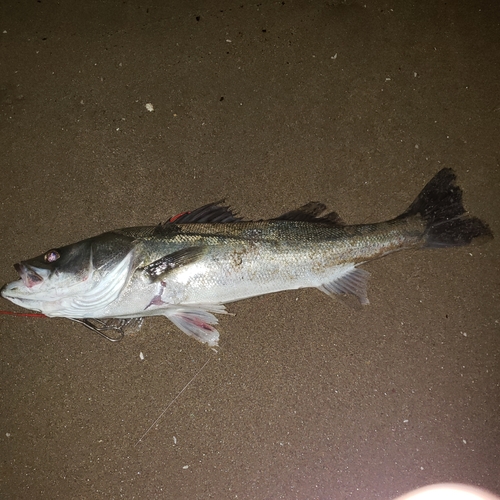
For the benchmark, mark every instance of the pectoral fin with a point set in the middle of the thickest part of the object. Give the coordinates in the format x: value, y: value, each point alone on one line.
x: 196, y: 320
x: 173, y: 261
x: 354, y: 281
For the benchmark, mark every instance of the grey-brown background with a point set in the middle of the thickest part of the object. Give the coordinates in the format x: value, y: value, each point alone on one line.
x: 271, y: 104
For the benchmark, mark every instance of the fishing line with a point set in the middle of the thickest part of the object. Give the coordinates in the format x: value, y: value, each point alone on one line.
x: 171, y: 402
x: 26, y: 315
x: 40, y: 315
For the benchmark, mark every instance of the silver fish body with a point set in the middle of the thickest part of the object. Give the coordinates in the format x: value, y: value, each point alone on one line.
x: 187, y: 268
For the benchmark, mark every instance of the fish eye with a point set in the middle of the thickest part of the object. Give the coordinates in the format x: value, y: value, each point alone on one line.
x: 51, y: 256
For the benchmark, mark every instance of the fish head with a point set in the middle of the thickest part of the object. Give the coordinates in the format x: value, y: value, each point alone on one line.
x: 58, y: 273
x: 75, y: 281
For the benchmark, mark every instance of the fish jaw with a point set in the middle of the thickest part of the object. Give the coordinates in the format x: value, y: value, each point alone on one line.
x: 16, y: 292
x: 36, y: 297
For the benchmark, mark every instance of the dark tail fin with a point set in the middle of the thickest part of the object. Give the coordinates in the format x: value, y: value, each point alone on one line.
x: 448, y: 223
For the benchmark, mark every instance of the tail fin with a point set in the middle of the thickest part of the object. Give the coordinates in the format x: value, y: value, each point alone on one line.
x: 448, y: 223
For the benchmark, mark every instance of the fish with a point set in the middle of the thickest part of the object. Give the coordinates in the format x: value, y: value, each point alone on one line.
x: 190, y: 266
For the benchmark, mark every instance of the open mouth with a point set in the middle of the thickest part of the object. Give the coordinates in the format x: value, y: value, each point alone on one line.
x: 28, y: 275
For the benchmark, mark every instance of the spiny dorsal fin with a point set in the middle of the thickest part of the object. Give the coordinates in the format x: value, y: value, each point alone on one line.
x: 310, y: 213
x: 212, y: 212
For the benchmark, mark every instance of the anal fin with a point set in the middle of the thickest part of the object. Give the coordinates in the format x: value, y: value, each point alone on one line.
x: 197, y: 320
x: 353, y: 282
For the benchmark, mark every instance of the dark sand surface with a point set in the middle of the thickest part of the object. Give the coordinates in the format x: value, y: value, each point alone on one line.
x: 271, y: 104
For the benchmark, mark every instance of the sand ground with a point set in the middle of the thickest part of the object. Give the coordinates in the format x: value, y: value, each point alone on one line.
x: 270, y: 104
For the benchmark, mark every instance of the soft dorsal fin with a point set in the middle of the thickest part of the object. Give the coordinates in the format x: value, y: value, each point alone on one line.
x: 310, y: 213
x: 333, y: 218
x: 306, y: 212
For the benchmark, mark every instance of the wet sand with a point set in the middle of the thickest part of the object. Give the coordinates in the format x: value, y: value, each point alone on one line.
x: 270, y: 105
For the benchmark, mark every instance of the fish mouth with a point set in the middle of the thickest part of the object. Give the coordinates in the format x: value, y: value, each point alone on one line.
x: 29, y: 276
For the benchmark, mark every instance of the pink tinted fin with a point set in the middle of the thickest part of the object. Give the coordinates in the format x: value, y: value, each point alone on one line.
x: 197, y: 321
x: 212, y: 212
x: 354, y: 282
